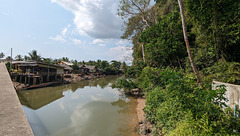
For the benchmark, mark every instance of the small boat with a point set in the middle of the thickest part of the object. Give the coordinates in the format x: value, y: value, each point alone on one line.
x: 39, y: 85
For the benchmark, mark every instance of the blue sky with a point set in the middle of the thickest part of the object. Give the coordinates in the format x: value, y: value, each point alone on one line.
x: 77, y: 29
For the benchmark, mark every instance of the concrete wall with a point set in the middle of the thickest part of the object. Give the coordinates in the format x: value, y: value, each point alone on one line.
x: 13, y: 121
x: 232, y: 93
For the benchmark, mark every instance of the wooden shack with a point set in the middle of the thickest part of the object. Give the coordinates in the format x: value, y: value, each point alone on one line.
x: 67, y: 66
x: 33, y: 72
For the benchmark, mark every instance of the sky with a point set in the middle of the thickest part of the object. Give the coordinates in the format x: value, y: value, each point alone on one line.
x: 77, y: 29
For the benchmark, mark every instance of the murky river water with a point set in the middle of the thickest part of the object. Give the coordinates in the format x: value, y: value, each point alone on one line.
x: 87, y: 108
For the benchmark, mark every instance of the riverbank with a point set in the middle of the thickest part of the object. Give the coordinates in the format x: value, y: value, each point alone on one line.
x: 144, y: 127
x: 74, y: 78
x: 67, y: 78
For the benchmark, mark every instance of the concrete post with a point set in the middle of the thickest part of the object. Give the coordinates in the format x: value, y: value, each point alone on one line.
x: 34, y: 80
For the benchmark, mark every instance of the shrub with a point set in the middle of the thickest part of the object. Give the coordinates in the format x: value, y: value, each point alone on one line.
x: 228, y: 72
x: 178, y: 106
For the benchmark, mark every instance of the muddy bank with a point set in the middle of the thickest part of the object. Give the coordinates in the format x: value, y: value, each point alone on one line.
x: 73, y: 78
x: 144, y: 127
x: 19, y: 86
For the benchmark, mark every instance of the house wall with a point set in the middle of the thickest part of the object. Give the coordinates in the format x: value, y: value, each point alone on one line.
x: 60, y: 71
x: 232, y: 93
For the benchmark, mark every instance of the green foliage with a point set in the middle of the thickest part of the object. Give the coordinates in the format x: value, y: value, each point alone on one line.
x: 179, y: 107
x: 124, y: 67
x: 176, y: 105
x: 104, y: 64
x: 33, y: 55
x: 2, y: 54
x: 75, y: 65
x: 65, y: 59
x: 152, y: 77
x: 8, y: 65
x: 115, y: 64
x: 228, y: 72
x: 127, y: 84
x: 136, y: 69
x: 204, y: 57
x: 48, y: 60
x: 164, y: 43
x: 19, y: 58
x: 217, y: 25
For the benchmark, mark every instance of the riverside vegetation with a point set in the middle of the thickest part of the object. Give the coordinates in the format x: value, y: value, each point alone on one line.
x: 176, y: 104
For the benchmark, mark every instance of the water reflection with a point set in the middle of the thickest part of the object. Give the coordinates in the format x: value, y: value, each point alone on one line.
x: 38, y: 98
x: 86, y: 108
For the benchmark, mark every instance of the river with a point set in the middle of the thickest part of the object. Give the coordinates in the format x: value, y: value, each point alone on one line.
x: 87, y: 108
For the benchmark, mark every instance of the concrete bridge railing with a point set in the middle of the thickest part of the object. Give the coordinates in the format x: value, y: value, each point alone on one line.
x: 13, y: 121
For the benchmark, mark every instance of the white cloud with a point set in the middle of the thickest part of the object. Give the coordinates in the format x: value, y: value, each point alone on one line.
x: 63, y: 36
x: 123, y: 42
x: 121, y: 53
x: 58, y: 38
x: 76, y: 41
x: 102, y: 45
x: 65, y: 30
x: 96, y: 41
x: 95, y: 18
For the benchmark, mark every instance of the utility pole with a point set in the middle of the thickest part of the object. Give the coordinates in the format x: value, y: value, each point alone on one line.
x: 11, y: 60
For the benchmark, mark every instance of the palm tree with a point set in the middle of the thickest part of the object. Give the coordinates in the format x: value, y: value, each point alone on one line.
x: 8, y: 58
x: 26, y: 58
x: 34, y: 56
x: 187, y: 43
x: 2, y: 55
x: 19, y: 58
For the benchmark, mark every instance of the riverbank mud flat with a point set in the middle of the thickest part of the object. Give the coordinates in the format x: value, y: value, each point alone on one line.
x: 144, y: 127
x: 74, y: 78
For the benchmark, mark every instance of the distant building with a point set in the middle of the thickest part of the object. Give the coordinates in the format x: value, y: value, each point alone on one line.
x: 66, y: 63
x: 82, y: 69
x: 33, y: 72
x: 67, y: 66
x: 92, y: 69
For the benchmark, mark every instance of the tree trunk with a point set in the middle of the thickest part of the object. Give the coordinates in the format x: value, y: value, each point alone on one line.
x: 187, y: 43
x: 143, y: 52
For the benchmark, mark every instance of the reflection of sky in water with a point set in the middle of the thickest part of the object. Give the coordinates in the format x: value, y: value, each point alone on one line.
x: 87, y: 111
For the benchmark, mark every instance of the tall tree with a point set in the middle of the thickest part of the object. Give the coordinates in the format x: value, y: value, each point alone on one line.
x: 217, y: 26
x: 48, y: 60
x: 65, y: 59
x: 140, y: 15
x: 115, y: 64
x: 187, y: 43
x: 19, y: 57
x: 124, y: 67
x: 164, y: 42
x: 26, y: 58
x: 8, y: 58
x: 33, y: 55
x: 2, y: 55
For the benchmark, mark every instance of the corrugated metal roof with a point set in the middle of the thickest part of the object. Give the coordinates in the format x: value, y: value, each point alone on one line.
x: 91, y: 67
x: 66, y: 67
x: 34, y: 63
x: 67, y: 63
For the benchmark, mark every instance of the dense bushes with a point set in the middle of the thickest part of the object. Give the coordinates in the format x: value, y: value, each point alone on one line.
x: 127, y: 84
x: 178, y: 106
x: 228, y: 72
